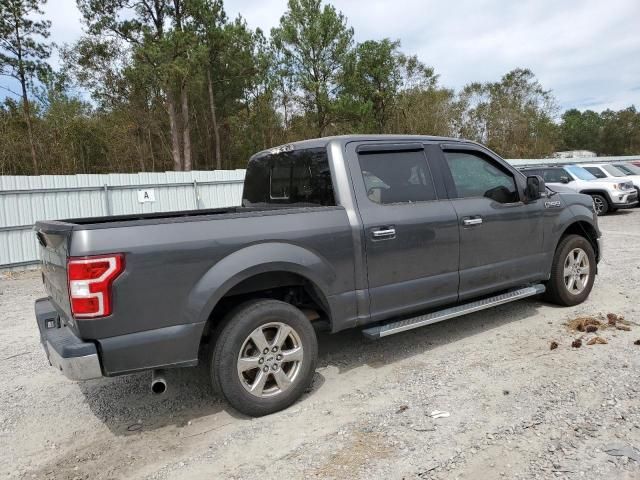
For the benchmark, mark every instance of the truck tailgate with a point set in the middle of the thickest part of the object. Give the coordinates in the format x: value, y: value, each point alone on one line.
x: 54, y: 238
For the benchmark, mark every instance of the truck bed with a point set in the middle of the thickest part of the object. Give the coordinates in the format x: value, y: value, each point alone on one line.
x: 114, y: 221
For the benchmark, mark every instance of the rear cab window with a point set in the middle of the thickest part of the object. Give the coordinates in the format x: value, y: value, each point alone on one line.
x: 293, y: 178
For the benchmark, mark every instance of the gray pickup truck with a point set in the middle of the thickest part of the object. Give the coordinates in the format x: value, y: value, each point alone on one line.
x: 387, y: 233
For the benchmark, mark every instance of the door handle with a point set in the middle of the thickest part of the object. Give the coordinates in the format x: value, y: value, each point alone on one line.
x: 468, y: 222
x: 384, y: 233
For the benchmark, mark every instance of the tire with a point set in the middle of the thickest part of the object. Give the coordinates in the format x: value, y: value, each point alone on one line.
x: 236, y: 365
x: 561, y: 290
x: 600, y: 204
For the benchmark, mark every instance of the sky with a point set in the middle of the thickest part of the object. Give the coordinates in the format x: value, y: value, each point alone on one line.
x: 586, y: 51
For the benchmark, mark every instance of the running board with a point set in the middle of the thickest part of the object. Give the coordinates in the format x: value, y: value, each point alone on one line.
x: 435, y: 317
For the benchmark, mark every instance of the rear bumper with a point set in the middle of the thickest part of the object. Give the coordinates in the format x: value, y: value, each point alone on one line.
x: 175, y: 346
x: 75, y: 358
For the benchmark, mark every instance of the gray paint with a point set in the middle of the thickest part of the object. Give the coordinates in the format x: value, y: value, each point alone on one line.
x: 179, y: 267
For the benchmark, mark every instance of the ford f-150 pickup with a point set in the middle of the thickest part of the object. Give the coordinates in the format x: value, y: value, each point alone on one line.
x: 383, y: 233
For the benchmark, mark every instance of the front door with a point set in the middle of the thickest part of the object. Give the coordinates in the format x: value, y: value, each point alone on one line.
x: 500, y: 235
x: 411, y: 232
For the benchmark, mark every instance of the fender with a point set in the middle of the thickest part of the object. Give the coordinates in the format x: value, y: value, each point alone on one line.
x: 577, y: 210
x: 250, y: 261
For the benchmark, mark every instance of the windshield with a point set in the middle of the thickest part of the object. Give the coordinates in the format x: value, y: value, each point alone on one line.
x: 616, y: 172
x: 628, y: 168
x: 579, y: 172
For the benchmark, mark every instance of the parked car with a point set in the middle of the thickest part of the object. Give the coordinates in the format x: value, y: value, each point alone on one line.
x: 608, y: 194
x: 607, y: 170
x: 628, y: 168
x: 632, y: 171
x: 388, y: 233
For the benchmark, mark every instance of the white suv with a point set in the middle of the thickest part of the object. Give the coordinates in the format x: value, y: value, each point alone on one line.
x: 607, y: 170
x: 609, y: 194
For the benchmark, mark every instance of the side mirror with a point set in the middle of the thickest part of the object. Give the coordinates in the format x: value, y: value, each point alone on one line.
x: 564, y: 179
x: 535, y: 187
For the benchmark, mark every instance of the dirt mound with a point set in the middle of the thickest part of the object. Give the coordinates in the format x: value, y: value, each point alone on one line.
x: 580, y: 324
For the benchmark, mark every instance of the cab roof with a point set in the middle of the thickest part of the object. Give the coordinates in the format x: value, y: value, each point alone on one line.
x: 344, y: 139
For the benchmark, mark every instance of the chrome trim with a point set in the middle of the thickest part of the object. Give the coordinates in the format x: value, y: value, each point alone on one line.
x: 389, y: 232
x: 600, y: 242
x: 75, y: 368
x: 472, y: 221
x: 457, y: 311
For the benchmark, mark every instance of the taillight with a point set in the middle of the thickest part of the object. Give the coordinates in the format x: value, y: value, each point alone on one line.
x: 90, y: 280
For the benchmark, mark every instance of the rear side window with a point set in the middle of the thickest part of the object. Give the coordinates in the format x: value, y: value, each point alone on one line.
x: 555, y: 175
x: 295, y: 177
x: 596, y: 172
x: 614, y: 171
x: 396, y: 177
x: 477, y: 176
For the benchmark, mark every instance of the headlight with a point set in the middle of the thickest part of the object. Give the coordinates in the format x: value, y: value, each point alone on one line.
x: 620, y: 186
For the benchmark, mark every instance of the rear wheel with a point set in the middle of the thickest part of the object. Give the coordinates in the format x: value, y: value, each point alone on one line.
x: 600, y: 204
x: 264, y: 357
x: 573, y: 271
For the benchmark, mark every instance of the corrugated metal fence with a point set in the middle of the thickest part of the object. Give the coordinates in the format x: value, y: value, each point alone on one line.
x: 25, y: 200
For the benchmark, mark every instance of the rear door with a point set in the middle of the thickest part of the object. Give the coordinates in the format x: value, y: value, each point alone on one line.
x: 500, y: 235
x: 410, y: 229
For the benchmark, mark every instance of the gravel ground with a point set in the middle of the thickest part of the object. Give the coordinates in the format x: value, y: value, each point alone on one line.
x: 517, y: 409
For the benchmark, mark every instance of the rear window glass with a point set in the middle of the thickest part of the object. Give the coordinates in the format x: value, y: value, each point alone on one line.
x: 397, y: 177
x: 295, y: 177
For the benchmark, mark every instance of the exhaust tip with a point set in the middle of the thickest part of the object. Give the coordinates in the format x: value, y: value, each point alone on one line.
x: 158, y: 382
x: 158, y: 387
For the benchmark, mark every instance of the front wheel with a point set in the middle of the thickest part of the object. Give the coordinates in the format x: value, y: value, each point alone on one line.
x: 600, y: 204
x: 264, y: 357
x: 573, y: 271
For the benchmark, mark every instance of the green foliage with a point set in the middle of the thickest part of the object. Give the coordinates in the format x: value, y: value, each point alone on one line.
x: 513, y: 116
x: 174, y: 84
x: 314, y: 42
x: 23, y: 53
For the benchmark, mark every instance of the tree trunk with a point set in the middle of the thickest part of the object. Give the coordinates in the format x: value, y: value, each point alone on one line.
x: 153, y: 157
x: 214, y: 122
x: 186, y: 128
x: 25, y: 101
x: 175, y: 137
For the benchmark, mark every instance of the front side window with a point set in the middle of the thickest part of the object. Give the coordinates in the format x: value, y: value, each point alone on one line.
x: 477, y: 176
x: 396, y: 177
x: 596, y: 172
x: 295, y: 177
x: 580, y: 173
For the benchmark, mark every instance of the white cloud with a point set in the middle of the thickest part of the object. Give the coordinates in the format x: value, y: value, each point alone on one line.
x: 586, y: 51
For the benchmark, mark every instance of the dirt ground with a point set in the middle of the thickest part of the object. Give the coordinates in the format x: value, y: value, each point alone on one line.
x: 517, y: 408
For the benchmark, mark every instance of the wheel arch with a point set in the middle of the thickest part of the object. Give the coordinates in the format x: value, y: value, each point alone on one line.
x: 604, y: 193
x: 259, y: 268
x: 584, y: 229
